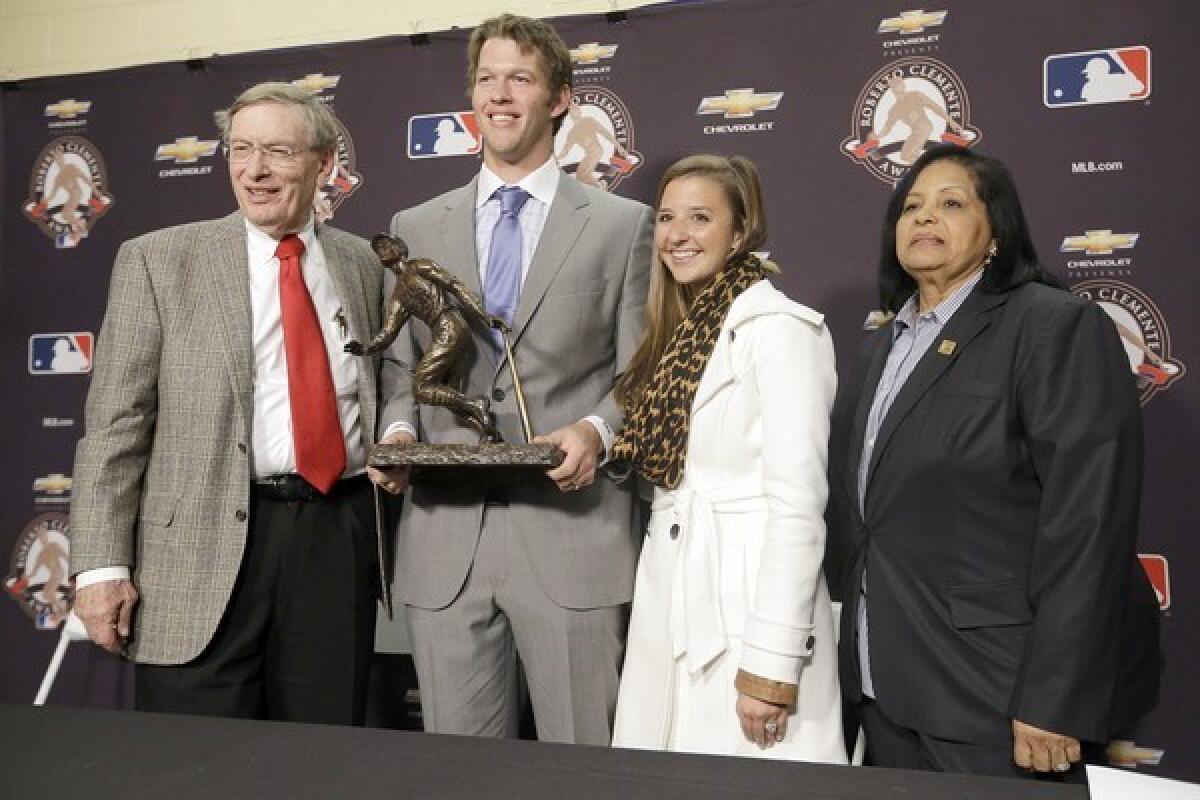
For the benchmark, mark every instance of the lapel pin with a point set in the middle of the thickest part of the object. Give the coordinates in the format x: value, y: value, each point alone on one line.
x: 339, y: 319
x: 947, y: 346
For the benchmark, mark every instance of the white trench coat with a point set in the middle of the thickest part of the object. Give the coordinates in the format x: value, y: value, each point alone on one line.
x: 730, y: 571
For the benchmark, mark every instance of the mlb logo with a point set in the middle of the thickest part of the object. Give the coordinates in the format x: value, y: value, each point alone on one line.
x: 60, y: 353
x: 1119, y: 75
x: 1160, y: 577
x: 453, y: 133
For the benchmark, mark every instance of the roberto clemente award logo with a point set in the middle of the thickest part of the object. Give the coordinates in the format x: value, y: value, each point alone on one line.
x: 1143, y: 331
x: 344, y: 179
x: 68, y: 190
x: 595, y: 142
x: 39, y: 577
x: 904, y: 108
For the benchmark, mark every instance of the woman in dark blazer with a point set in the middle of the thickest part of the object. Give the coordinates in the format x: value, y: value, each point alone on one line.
x: 986, y: 463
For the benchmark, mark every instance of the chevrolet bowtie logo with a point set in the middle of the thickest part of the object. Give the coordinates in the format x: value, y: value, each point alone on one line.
x: 54, y: 483
x: 185, y: 150
x: 912, y: 21
x: 592, y: 52
x: 69, y: 108
x: 1097, y: 243
x: 317, y: 82
x: 740, y: 103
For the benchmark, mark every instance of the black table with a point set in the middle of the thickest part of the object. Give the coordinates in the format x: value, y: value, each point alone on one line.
x: 77, y: 753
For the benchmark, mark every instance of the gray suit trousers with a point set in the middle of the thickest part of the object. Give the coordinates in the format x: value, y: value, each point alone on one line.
x: 571, y: 658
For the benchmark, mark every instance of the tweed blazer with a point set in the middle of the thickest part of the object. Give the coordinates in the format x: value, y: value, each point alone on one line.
x: 578, y: 321
x: 162, y: 474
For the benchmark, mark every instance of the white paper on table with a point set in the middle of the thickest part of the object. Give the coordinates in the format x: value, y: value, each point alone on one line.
x: 1108, y: 783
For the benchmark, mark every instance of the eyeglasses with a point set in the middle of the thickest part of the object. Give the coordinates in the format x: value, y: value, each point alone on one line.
x: 278, y: 155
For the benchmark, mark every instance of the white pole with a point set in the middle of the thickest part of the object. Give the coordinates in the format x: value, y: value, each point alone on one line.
x: 72, y: 629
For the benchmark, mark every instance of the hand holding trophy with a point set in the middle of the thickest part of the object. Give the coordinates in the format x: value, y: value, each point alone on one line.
x: 426, y: 292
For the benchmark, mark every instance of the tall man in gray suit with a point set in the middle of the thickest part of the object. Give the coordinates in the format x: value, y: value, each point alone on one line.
x: 538, y: 574
x: 221, y: 525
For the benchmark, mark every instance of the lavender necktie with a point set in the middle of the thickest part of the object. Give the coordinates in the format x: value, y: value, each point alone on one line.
x: 502, y: 285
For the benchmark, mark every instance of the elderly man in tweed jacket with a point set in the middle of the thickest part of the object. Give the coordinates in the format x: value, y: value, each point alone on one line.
x: 222, y: 527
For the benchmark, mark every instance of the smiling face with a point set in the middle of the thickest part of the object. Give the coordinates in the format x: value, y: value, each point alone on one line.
x: 695, y: 232
x: 943, y: 233
x: 515, y: 108
x: 276, y: 195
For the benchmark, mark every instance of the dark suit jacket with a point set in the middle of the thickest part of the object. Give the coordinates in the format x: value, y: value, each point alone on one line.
x: 998, y: 526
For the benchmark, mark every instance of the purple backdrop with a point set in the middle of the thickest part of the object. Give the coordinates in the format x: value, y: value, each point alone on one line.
x: 1084, y: 101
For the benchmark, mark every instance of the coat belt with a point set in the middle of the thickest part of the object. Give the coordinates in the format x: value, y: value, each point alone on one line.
x: 697, y: 626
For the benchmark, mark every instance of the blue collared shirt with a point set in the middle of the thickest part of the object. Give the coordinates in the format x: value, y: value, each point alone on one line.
x: 542, y: 185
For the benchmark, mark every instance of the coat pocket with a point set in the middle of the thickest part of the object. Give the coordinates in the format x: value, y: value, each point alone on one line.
x: 989, y: 604
x: 158, y: 508
x: 562, y: 287
x: 973, y: 388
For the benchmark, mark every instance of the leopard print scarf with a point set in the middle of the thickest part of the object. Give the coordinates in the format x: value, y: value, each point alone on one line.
x: 655, y: 436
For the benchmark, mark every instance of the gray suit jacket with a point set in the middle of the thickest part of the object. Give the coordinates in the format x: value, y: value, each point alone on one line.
x: 162, y: 475
x: 579, y: 319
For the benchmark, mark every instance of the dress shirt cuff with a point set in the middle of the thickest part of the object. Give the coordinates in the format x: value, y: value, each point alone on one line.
x: 400, y: 427
x: 99, y: 575
x: 777, y: 693
x: 606, y: 436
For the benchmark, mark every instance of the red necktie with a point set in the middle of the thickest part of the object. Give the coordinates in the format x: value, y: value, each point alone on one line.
x: 316, y: 429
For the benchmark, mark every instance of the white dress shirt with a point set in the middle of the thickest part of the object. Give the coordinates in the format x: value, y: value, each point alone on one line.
x: 272, y: 450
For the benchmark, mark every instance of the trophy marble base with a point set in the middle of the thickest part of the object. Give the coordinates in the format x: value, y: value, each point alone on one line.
x: 454, y: 462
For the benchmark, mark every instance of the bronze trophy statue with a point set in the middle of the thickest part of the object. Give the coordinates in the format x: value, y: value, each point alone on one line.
x: 426, y: 292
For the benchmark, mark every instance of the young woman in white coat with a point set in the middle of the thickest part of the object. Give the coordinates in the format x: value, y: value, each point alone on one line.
x: 731, y: 642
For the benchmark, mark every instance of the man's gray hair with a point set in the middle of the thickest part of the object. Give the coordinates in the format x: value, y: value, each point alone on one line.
x: 322, y: 127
